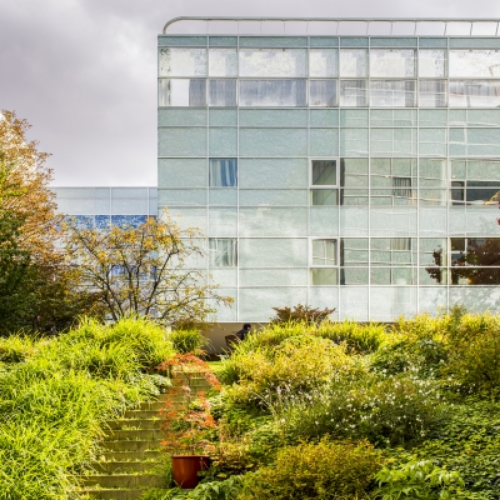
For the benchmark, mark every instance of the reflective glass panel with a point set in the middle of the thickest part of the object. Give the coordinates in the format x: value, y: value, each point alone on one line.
x: 392, y: 63
x: 223, y: 172
x: 474, y: 94
x: 324, y: 252
x: 353, y: 93
x: 324, y: 277
x: 324, y: 197
x: 222, y: 93
x: 432, y: 63
x: 273, y: 62
x: 273, y: 93
x: 353, y: 63
x: 475, y: 63
x: 323, y: 93
x: 183, y: 62
x: 223, y: 62
x: 182, y: 93
x: 392, y: 93
x: 223, y: 252
x: 324, y: 172
x: 432, y: 93
x: 323, y: 62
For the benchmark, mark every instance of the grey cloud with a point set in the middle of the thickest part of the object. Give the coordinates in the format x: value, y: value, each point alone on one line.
x: 83, y: 72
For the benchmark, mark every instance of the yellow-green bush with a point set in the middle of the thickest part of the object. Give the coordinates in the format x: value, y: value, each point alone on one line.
x: 16, y: 348
x: 322, y: 471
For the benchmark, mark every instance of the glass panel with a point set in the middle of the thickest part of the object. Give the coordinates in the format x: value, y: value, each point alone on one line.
x: 223, y: 172
x: 393, y: 142
x: 182, y: 93
x: 354, y: 197
x: 223, y: 252
x: 475, y: 63
x: 324, y: 252
x: 432, y: 142
x: 432, y: 173
x: 323, y: 62
x: 432, y: 197
x: 324, y: 142
x: 223, y: 117
x: 273, y: 222
x: 393, y: 276
x: 282, y: 252
x: 432, y: 93
x: 353, y: 93
x: 182, y: 117
x: 273, y: 62
x: 483, y: 170
x: 273, y: 93
x: 475, y: 142
x: 273, y: 277
x: 354, y: 173
x: 392, y: 63
x: 354, y: 252
x: 273, y: 142
x: 223, y: 197
x: 273, y: 118
x: 182, y: 173
x: 393, y: 118
x: 354, y: 276
x: 353, y: 142
x: 183, y: 62
x: 324, y: 172
x: 354, y: 118
x: 353, y: 63
x: 274, y: 173
x: 324, y: 277
x: 392, y: 93
x: 433, y: 117
x: 432, y: 63
x: 223, y: 222
x: 186, y: 141
x: 273, y: 197
x: 222, y: 93
x: 179, y: 197
x: 323, y: 93
x: 432, y: 252
x: 323, y: 221
x: 223, y: 62
x: 475, y: 94
x: 324, y: 118
x: 223, y: 142
x: 324, y: 197
x: 483, y: 117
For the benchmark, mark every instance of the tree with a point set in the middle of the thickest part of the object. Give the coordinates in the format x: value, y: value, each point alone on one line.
x: 142, y: 270
x: 34, y: 281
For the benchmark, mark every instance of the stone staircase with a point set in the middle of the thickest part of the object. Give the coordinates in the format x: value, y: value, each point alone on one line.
x: 131, y: 460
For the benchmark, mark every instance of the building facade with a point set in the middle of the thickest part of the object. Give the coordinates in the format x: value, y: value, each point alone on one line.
x: 360, y: 173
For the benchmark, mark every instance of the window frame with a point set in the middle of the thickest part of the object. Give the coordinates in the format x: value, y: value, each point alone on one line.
x: 324, y: 187
x: 235, y: 244
x: 313, y: 266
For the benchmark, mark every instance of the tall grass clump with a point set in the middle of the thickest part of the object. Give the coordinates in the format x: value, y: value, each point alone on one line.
x: 56, y: 393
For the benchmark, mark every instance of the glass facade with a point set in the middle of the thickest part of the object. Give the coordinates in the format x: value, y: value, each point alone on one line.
x: 104, y: 206
x: 360, y: 173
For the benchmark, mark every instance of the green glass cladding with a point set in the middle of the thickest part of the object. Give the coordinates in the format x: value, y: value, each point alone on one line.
x: 351, y: 172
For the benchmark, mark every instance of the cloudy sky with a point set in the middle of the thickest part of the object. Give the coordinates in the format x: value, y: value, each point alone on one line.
x: 83, y: 72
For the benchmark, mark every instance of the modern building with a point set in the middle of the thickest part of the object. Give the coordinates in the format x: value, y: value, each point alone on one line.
x: 350, y: 164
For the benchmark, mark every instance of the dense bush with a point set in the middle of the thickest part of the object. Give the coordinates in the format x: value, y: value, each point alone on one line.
x: 387, y: 411
x: 326, y: 470
x: 300, y: 314
x: 185, y: 341
x: 53, y: 402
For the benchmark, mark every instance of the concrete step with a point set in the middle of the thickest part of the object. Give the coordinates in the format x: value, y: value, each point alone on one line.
x: 131, y: 456
x: 134, y: 423
x: 126, y: 467
x: 142, y: 414
x: 134, y: 435
x: 129, y: 481
x: 132, y: 445
x: 150, y: 405
x: 112, y: 494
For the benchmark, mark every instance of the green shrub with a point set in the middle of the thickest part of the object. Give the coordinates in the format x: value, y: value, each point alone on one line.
x: 387, y: 411
x: 298, y: 364
x: 300, y: 314
x: 53, y: 405
x: 474, y: 353
x: 322, y: 471
x: 16, y: 348
x: 422, y: 480
x: 185, y: 341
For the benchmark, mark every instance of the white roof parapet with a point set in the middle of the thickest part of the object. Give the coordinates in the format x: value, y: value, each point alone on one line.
x: 347, y: 26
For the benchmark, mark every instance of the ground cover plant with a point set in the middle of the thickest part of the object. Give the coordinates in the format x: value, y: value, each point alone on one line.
x: 351, y: 411
x: 56, y: 392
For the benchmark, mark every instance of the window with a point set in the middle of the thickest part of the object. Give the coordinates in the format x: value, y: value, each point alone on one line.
x: 324, y: 269
x: 475, y: 261
x: 432, y: 93
x: 401, y: 187
x: 474, y: 94
x: 223, y: 62
x: 392, y: 63
x: 353, y: 63
x: 273, y: 93
x: 223, y: 252
x: 223, y: 172
x: 323, y: 63
x: 432, y: 63
x: 475, y: 182
x: 392, y: 181
x: 323, y: 93
x: 182, y: 62
x: 393, y: 261
x: 353, y: 93
x: 222, y: 93
x: 392, y: 93
x: 182, y: 92
x: 323, y: 177
x: 272, y: 63
x: 475, y: 63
